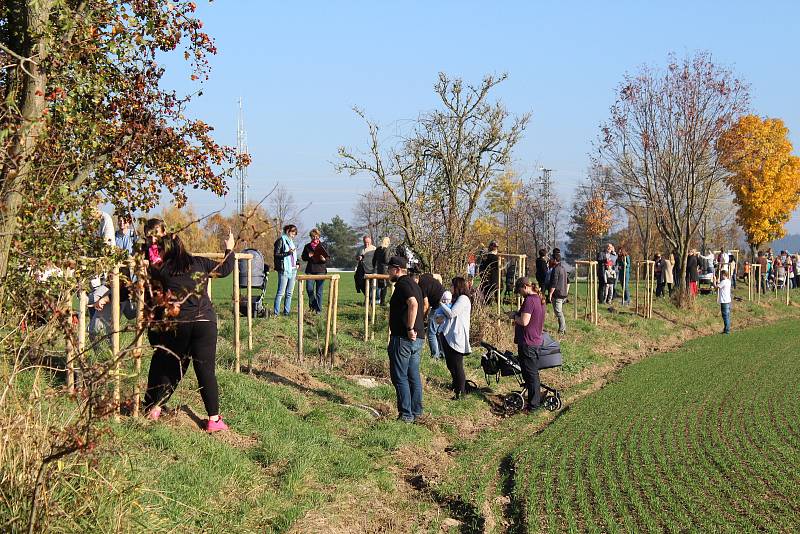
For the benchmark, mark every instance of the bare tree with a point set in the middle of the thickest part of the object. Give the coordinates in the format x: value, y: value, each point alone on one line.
x: 660, y: 143
x: 374, y: 215
x: 437, y: 175
x: 283, y: 208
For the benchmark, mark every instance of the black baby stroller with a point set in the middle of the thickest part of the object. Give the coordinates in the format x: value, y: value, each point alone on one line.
x: 498, y: 363
x: 259, y: 281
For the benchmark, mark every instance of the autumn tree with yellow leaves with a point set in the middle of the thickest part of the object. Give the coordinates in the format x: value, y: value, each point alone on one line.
x: 764, y: 176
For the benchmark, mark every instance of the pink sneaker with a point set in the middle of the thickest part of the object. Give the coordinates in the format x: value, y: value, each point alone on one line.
x: 216, y: 426
x: 154, y: 413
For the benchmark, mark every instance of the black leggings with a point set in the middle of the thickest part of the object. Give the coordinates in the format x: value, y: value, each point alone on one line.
x: 455, y: 364
x: 195, y: 341
x: 529, y: 361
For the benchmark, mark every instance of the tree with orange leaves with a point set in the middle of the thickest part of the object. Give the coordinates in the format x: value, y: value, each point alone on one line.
x: 764, y: 176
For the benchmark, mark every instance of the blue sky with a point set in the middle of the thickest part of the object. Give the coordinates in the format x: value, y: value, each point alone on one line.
x: 301, y: 66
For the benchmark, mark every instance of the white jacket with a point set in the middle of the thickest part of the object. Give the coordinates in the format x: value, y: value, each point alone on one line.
x: 456, y: 328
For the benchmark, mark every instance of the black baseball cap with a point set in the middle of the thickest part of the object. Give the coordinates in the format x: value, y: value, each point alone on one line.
x: 400, y: 262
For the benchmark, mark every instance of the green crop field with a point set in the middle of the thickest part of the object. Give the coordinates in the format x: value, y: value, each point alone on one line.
x: 704, y: 439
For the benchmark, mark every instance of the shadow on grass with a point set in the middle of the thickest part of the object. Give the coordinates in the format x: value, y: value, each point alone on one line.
x: 278, y: 379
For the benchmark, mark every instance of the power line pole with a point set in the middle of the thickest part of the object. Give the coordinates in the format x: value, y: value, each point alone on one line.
x: 241, y: 171
x: 547, y: 198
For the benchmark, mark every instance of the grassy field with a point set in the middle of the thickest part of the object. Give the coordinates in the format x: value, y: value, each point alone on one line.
x: 313, y: 448
x: 704, y: 439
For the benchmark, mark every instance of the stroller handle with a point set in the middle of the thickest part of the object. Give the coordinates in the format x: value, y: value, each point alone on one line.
x: 489, y: 347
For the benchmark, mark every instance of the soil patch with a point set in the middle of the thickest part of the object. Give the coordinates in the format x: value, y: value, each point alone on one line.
x: 185, y: 417
x: 279, y: 371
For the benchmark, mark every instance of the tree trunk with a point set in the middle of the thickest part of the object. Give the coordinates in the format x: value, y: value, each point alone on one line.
x: 32, y: 87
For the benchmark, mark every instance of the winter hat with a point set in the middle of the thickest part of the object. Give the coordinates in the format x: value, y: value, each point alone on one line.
x: 447, y: 298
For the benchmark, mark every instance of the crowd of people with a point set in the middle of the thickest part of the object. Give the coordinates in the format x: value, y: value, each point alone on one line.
x: 420, y: 308
x: 778, y: 271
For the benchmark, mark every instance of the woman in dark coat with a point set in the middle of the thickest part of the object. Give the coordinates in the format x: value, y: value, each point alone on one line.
x: 380, y: 262
x: 181, y: 279
x: 315, y: 256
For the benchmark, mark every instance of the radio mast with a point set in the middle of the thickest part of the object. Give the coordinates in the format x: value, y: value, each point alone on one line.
x: 241, y: 171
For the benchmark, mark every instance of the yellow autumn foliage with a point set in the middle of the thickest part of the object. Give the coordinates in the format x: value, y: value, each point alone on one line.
x: 764, y: 176
x: 484, y: 230
x: 597, y: 217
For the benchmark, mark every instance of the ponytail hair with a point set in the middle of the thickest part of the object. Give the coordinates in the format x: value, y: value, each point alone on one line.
x: 539, y: 294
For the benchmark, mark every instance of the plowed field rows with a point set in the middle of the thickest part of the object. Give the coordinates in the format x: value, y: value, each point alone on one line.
x: 704, y: 439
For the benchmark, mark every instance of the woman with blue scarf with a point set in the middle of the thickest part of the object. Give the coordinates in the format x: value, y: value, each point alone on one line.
x: 286, y: 264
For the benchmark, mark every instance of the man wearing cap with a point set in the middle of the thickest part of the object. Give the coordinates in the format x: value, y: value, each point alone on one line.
x: 405, y: 339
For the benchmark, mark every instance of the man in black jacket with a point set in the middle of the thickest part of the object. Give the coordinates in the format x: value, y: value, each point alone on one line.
x: 541, y: 270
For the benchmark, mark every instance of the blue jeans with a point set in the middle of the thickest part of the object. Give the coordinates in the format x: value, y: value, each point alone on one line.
x: 726, y: 316
x: 433, y: 341
x: 285, y: 287
x: 315, y: 294
x: 404, y: 357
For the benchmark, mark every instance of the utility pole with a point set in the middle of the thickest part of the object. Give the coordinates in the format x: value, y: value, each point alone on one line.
x: 547, y: 198
x: 241, y: 171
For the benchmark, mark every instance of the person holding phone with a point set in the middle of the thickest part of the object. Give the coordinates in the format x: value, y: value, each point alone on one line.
x: 189, y: 328
x: 528, y: 330
x: 315, y: 256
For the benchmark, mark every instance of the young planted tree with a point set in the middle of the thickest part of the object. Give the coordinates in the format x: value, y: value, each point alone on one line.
x: 763, y: 175
x: 590, y: 221
x: 660, y: 143
x: 502, y: 199
x: 437, y: 174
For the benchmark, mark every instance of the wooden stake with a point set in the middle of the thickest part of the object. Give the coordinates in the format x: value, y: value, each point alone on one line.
x: 374, y: 301
x: 250, y: 308
x: 335, y: 327
x: 575, y: 304
x: 636, y: 307
x: 300, y: 322
x: 83, y: 302
x: 328, y: 319
x: 137, y: 354
x: 498, y: 286
x: 335, y: 305
x: 587, y: 315
x: 367, y: 293
x: 71, y: 353
x: 237, y: 343
x: 115, y: 336
x: 595, y: 291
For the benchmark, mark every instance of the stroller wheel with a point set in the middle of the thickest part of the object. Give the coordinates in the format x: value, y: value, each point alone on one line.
x: 513, y: 402
x: 553, y: 403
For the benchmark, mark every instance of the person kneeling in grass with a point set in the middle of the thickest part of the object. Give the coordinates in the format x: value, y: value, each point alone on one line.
x: 724, y: 299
